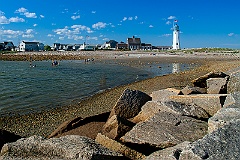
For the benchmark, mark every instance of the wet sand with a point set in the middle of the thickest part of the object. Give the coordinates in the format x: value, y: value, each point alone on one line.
x: 46, y: 122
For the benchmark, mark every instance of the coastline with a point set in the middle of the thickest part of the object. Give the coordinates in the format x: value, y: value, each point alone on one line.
x: 45, y: 122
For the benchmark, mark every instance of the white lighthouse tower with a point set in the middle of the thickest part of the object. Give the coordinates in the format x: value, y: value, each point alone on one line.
x: 176, y: 41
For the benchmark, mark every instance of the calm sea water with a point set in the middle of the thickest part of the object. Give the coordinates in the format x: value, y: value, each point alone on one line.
x: 25, y: 89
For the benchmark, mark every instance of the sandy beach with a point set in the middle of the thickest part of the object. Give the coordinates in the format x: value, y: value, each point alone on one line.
x: 46, y: 122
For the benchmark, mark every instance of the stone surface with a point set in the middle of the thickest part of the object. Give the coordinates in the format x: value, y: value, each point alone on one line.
x: 163, y: 95
x: 190, y: 110
x: 116, y: 127
x: 166, y: 129
x: 234, y: 80
x: 130, y: 104
x: 118, y: 147
x: 221, y: 144
x: 68, y: 147
x: 201, y: 81
x: 211, y: 103
x: 171, y: 153
x: 193, y: 90
x: 217, y: 85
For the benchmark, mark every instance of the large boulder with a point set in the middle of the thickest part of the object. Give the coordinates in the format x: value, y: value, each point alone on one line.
x: 211, y: 103
x: 130, y: 104
x: 118, y: 147
x: 67, y: 147
x: 166, y: 129
x: 234, y: 81
x: 163, y: 94
x: 220, y: 144
x: 217, y: 85
x: 116, y: 127
x: 201, y: 81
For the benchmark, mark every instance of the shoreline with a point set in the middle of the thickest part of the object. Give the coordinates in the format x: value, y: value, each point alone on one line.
x: 47, y: 121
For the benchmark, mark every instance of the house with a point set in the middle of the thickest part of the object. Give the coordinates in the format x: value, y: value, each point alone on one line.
x: 145, y: 46
x: 109, y: 45
x: 162, y: 48
x: 1, y: 46
x: 134, y: 43
x: 9, y: 46
x: 31, y: 46
x: 122, y: 46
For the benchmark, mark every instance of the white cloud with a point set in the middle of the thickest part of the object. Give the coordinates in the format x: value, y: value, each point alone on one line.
x: 99, y: 25
x: 150, y: 26
x: 61, y: 38
x: 50, y: 35
x: 29, y: 31
x: 93, y: 12
x: 231, y: 34
x: 75, y: 17
x: 10, y: 33
x: 166, y: 35
x: 34, y: 25
x: 3, y: 20
x: 171, y: 17
x: 168, y: 22
x: 27, y: 35
x: 130, y: 18
x: 106, y: 39
x: 24, y: 11
x: 16, y: 19
x: 125, y: 18
x: 42, y: 16
x: 136, y: 17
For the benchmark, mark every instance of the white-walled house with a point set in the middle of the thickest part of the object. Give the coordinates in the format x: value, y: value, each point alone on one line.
x: 31, y: 46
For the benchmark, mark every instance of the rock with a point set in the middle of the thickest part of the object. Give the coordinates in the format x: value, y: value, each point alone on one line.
x: 118, y: 147
x: 190, y: 110
x: 220, y: 144
x: 234, y: 81
x: 193, y: 90
x: 6, y: 137
x: 230, y: 112
x: 166, y: 129
x: 211, y: 103
x: 67, y: 147
x: 223, y: 117
x: 116, y: 127
x: 150, y: 109
x: 130, y: 103
x: 171, y: 153
x: 201, y: 81
x: 217, y: 85
x: 163, y: 95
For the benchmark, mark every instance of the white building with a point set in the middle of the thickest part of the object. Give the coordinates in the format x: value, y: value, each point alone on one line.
x: 31, y: 46
x: 176, y: 41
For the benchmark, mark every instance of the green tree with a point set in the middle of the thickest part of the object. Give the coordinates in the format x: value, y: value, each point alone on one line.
x: 47, y: 48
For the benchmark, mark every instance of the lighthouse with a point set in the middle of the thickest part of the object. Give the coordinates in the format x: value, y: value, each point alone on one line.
x: 176, y: 41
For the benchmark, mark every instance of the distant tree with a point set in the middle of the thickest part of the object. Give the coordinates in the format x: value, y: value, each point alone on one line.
x: 47, y: 48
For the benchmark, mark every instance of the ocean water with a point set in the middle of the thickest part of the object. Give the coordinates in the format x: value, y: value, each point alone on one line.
x: 25, y: 89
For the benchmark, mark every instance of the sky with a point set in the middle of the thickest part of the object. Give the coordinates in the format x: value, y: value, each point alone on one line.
x: 203, y: 23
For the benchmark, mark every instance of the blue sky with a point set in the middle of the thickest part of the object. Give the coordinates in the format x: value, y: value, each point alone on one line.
x: 203, y: 23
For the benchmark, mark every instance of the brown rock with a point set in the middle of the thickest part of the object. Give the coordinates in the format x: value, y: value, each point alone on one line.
x: 217, y: 85
x: 130, y: 103
x: 163, y: 95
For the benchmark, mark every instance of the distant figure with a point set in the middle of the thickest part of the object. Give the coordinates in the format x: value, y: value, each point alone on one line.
x: 55, y: 63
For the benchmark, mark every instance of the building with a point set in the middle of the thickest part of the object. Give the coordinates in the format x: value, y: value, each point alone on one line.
x: 7, y: 46
x: 31, y: 46
x: 145, y: 46
x: 109, y: 45
x: 134, y: 43
x: 161, y: 48
x: 176, y: 41
x: 122, y: 46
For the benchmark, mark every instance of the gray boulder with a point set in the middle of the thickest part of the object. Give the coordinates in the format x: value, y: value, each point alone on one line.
x: 217, y: 85
x: 234, y: 80
x: 221, y: 144
x: 163, y: 94
x: 130, y: 104
x: 166, y: 129
x: 68, y: 147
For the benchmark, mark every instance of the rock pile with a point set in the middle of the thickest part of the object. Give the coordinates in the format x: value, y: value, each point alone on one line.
x: 201, y: 121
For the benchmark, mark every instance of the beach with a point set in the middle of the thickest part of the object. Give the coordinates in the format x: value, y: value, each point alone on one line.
x: 44, y: 123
